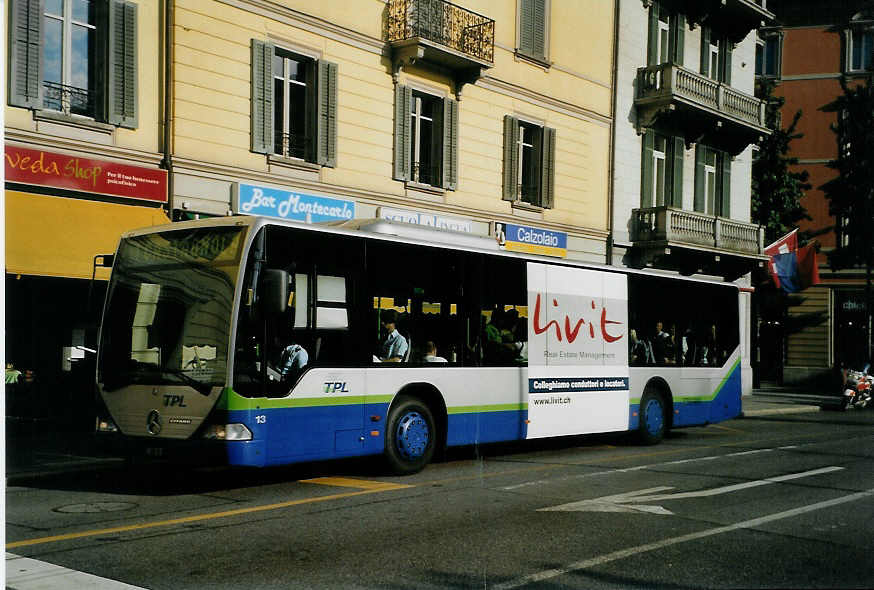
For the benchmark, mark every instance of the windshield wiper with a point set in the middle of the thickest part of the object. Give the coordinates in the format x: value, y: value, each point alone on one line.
x: 199, y: 386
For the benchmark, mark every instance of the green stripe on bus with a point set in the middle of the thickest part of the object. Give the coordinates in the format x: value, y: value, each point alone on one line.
x: 231, y: 400
x: 701, y: 398
x: 487, y: 408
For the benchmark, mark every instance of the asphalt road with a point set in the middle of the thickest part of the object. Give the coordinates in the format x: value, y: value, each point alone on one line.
x: 771, y: 501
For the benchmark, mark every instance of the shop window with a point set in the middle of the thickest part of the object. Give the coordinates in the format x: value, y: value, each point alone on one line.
x: 294, y: 105
x: 87, y: 67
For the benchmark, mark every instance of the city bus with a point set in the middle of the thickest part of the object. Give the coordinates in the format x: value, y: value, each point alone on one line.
x: 256, y: 342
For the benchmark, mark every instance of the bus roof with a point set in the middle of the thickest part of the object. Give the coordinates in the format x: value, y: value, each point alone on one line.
x: 406, y: 233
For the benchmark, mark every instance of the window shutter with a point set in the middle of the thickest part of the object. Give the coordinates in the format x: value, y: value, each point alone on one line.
x: 678, y: 38
x: 677, y: 157
x: 725, y: 185
x: 511, y: 159
x: 547, y: 169
x: 121, y: 90
x: 532, y: 28
x: 647, y: 170
x: 700, y: 197
x: 326, y: 118
x: 450, y: 144
x: 262, y: 97
x: 25, y: 78
x: 403, y: 98
x: 653, y: 40
x: 725, y: 46
x: 705, y: 51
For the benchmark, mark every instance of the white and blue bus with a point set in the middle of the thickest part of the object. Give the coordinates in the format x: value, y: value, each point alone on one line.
x: 259, y: 342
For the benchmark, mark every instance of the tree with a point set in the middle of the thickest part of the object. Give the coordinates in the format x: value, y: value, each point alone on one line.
x: 851, y: 194
x: 777, y: 191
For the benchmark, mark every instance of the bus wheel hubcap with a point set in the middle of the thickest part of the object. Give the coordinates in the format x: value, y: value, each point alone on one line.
x: 653, y: 416
x: 412, y: 435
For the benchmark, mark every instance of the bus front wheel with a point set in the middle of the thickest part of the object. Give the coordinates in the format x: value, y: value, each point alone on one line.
x: 653, y: 418
x: 410, y: 436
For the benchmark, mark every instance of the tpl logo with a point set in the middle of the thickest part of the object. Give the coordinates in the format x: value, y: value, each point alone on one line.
x: 336, y: 387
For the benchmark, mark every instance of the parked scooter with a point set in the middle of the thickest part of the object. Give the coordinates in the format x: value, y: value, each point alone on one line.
x: 857, y: 389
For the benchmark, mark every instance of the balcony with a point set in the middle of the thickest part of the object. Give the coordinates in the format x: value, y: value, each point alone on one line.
x: 702, y: 108
x: 734, y: 18
x: 440, y: 34
x: 692, y: 242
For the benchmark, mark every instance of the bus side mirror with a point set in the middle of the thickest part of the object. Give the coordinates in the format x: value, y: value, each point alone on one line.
x: 274, y: 291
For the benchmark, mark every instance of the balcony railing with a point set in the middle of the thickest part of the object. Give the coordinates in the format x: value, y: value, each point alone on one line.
x: 667, y: 82
x: 445, y: 23
x: 69, y: 100
x: 666, y: 226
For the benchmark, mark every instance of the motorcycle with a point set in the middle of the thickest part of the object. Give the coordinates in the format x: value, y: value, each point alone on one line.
x: 858, y: 388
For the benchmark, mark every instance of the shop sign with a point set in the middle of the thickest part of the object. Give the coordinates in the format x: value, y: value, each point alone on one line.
x: 44, y: 168
x: 426, y: 219
x: 531, y: 240
x: 285, y: 204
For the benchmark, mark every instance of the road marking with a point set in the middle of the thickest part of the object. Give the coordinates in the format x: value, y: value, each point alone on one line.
x: 632, y: 551
x: 630, y: 501
x: 369, y: 488
x: 23, y: 573
x: 348, y: 482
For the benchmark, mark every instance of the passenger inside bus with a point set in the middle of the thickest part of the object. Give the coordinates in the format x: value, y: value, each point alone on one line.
x: 394, y: 348
x: 431, y: 353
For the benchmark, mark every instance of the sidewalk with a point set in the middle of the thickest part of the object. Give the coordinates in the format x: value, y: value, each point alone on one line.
x: 36, y: 450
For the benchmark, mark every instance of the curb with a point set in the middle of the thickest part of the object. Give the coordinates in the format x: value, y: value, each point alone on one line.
x: 772, y: 411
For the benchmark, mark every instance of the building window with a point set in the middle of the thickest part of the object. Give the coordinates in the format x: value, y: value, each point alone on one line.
x: 715, y: 56
x: 88, y: 65
x: 426, y: 138
x: 860, y: 50
x: 529, y: 163
x: 533, y: 29
x: 294, y: 105
x: 662, y: 172
x: 666, y: 36
x: 769, y: 50
x: 712, y: 181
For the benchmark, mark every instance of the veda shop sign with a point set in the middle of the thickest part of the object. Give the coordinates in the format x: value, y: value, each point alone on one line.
x: 44, y: 168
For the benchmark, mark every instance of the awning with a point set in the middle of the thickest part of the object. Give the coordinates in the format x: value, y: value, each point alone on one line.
x: 59, y: 237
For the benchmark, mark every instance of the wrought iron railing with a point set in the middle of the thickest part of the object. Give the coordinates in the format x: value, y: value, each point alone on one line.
x: 444, y: 23
x: 69, y: 100
x: 669, y: 80
x: 292, y: 145
x: 669, y: 225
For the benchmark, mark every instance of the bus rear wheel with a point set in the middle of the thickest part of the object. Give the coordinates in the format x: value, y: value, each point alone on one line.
x: 410, y: 436
x: 653, y: 418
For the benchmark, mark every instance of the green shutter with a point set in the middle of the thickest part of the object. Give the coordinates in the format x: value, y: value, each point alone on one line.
x: 262, y: 96
x: 450, y: 144
x: 511, y: 158
x: 547, y: 169
x: 403, y: 98
x: 121, y: 88
x: 705, y: 51
x: 326, y: 118
x: 725, y: 54
x: 532, y: 28
x: 725, y: 185
x: 678, y: 38
x: 653, y: 39
x: 647, y: 171
x: 675, y: 198
x: 700, y: 197
x: 25, y: 79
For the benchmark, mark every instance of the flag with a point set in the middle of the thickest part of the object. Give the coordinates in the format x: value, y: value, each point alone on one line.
x: 785, y: 245
x: 796, y: 270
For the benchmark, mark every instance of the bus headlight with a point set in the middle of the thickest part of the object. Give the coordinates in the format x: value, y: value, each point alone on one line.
x: 106, y: 425
x: 227, y: 432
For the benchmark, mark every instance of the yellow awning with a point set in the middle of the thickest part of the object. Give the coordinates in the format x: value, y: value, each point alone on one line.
x: 59, y: 237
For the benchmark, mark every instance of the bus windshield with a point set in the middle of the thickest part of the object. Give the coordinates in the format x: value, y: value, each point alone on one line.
x: 169, y: 309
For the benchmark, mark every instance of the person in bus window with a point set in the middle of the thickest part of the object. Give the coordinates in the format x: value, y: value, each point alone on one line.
x: 394, y: 347
x: 431, y: 353
x: 292, y: 361
x: 662, y: 345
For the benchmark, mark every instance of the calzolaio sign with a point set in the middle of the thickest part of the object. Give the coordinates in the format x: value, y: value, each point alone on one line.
x: 285, y: 204
x: 577, y: 351
x: 44, y: 168
x: 531, y: 240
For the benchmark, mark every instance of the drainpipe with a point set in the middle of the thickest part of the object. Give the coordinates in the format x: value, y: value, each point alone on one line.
x: 612, y: 164
x: 167, y: 161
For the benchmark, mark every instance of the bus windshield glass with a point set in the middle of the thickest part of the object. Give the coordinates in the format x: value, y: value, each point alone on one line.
x: 169, y: 309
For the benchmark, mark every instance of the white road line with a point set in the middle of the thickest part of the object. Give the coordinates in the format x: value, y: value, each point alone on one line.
x: 631, y: 551
x: 23, y: 573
